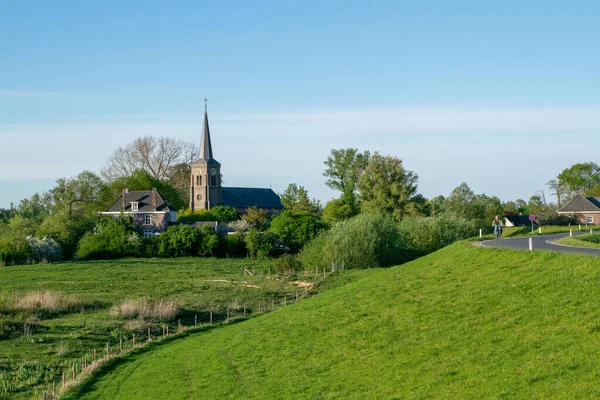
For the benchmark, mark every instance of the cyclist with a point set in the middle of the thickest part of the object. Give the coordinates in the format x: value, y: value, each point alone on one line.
x: 497, y: 227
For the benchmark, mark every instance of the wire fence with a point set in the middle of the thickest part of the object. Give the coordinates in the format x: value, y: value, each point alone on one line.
x: 157, y: 332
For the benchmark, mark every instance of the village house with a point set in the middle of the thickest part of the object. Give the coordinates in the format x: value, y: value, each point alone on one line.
x: 149, y: 212
x: 587, y: 208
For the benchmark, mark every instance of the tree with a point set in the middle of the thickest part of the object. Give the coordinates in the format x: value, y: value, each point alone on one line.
x: 142, y: 180
x: 557, y: 189
x: 163, y: 158
x: 295, y: 230
x: 337, y: 210
x: 385, y: 186
x: 343, y: 170
x: 256, y: 218
x: 295, y: 198
x: 459, y: 201
x: 81, y: 193
x: 36, y: 208
x: 579, y: 177
x: 436, y: 206
x: 6, y: 215
x: 592, y: 192
x: 224, y: 214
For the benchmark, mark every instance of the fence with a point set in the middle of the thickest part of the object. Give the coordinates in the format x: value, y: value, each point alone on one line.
x: 157, y: 332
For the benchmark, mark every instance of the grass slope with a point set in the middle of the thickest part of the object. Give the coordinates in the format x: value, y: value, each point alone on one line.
x: 36, y: 349
x: 464, y: 322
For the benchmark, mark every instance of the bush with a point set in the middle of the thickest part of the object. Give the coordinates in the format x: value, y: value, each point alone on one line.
x: 45, y: 249
x: 295, y: 230
x: 48, y: 301
x: 559, y: 220
x: 365, y: 241
x: 232, y: 246
x: 595, y: 238
x: 14, y: 250
x: 260, y: 244
x: 110, y: 239
x: 183, y: 240
x: 421, y: 236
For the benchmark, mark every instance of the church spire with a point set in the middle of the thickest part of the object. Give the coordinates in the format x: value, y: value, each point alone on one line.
x: 206, y: 153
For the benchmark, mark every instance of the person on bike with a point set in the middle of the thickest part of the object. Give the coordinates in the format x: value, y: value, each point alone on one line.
x: 497, y: 226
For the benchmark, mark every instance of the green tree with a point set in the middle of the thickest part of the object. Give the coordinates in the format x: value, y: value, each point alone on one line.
x: 436, y: 206
x: 142, y: 180
x: 224, y: 214
x: 592, y: 192
x: 385, y: 186
x: 259, y: 244
x: 459, y: 201
x: 337, y: 210
x: 66, y: 231
x: 35, y: 208
x: 295, y: 230
x: 343, y: 169
x: 6, y: 215
x: 80, y: 194
x: 578, y: 178
x: 257, y: 218
x: 295, y: 198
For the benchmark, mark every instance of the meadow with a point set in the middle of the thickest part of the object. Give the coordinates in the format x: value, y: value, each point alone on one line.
x: 464, y: 322
x: 52, y: 315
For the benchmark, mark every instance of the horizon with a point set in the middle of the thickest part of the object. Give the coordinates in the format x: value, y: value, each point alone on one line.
x: 502, y: 97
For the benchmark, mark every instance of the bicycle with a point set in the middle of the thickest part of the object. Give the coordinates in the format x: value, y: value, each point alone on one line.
x: 497, y: 231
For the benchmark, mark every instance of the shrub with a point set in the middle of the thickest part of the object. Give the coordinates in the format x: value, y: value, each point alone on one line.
x: 224, y: 214
x: 595, y: 238
x: 177, y: 241
x: 260, y: 244
x: 232, y: 246
x: 422, y: 236
x: 148, y: 309
x: 14, y: 250
x: 189, y: 215
x: 295, y: 230
x: 45, y: 249
x: 110, y: 239
x: 559, y: 220
x: 365, y: 241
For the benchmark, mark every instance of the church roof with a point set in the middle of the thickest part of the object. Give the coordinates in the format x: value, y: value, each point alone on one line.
x: 144, y: 200
x: 206, y: 153
x: 250, y: 197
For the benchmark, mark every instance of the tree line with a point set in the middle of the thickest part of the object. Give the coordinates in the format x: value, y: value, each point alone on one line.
x: 63, y: 223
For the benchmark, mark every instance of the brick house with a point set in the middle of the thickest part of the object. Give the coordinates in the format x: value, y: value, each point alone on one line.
x: 149, y: 212
x: 588, y: 209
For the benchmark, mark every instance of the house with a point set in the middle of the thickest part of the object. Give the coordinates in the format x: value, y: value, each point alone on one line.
x: 511, y: 219
x: 587, y: 208
x: 206, y: 178
x: 149, y: 212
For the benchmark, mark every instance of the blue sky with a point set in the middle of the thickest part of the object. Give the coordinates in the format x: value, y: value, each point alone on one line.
x: 502, y: 96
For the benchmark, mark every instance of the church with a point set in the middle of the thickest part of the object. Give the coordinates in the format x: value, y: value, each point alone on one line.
x: 205, y: 184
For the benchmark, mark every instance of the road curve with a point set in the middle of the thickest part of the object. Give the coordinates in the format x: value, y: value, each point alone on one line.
x: 540, y: 242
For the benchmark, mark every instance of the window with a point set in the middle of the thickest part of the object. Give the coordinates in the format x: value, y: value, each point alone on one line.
x: 590, y: 220
x: 213, y: 180
x: 147, y: 233
x: 134, y: 206
x: 199, y: 180
x: 147, y: 219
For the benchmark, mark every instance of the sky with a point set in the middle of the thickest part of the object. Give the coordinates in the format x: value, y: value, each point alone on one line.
x: 501, y: 95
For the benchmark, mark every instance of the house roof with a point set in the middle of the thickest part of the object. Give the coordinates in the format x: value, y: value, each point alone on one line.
x: 144, y: 200
x: 206, y: 153
x: 250, y: 197
x: 518, y: 220
x: 579, y: 204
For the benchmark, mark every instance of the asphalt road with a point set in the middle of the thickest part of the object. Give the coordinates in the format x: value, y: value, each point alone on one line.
x: 540, y: 242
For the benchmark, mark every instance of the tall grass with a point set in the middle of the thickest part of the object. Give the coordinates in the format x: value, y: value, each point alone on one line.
x: 147, y: 309
x: 48, y: 301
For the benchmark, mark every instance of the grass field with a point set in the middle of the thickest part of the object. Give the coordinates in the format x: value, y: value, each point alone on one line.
x: 516, y: 231
x: 589, y: 241
x: 37, y: 345
x: 464, y: 322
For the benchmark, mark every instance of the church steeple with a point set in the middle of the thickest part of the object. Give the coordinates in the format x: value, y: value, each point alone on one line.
x: 206, y: 152
x: 205, y: 180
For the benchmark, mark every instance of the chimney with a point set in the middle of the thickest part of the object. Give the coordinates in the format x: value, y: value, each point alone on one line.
x: 154, y: 199
x: 123, y: 200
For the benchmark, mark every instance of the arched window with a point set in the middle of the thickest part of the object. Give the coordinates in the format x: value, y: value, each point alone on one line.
x: 199, y: 180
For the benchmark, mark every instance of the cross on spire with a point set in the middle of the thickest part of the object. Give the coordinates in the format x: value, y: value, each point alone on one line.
x: 205, y: 105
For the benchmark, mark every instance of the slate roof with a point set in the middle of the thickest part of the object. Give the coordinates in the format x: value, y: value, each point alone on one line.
x: 144, y: 198
x: 206, y: 153
x: 581, y: 204
x: 250, y: 197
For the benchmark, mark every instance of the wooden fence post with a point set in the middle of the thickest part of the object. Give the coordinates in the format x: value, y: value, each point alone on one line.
x: 167, y: 330
x: 285, y: 300
x: 64, y: 378
x: 306, y: 290
x: 195, y: 320
x: 296, y: 295
x: 73, y: 371
x: 244, y: 311
x: 94, y: 355
x: 211, y: 317
x: 106, y: 349
x: 227, y: 314
x: 149, y: 337
x: 121, y: 345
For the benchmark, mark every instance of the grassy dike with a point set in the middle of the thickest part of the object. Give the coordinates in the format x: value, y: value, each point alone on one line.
x: 464, y: 322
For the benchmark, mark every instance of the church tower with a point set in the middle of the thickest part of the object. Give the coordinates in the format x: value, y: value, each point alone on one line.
x: 205, y: 184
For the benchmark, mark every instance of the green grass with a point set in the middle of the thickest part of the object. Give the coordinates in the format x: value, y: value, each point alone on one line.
x: 588, y: 241
x: 516, y: 231
x: 36, y: 347
x: 464, y: 322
